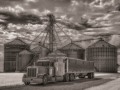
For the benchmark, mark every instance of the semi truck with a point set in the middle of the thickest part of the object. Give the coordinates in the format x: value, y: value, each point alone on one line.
x: 55, y: 69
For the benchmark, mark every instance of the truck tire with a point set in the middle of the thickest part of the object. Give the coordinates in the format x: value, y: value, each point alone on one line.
x: 72, y: 77
x: 90, y: 75
x: 82, y: 77
x: 27, y: 83
x: 66, y: 78
x: 45, y: 80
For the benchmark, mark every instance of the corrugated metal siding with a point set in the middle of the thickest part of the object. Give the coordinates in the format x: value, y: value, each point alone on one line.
x: 11, y: 50
x: 23, y: 59
x: 80, y: 65
x: 104, y: 55
x: 73, y: 50
x: 9, y: 66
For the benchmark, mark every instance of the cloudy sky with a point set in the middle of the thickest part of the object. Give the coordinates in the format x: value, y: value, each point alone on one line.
x: 104, y: 14
x: 100, y: 13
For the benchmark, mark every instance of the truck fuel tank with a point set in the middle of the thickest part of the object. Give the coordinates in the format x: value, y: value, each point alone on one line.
x: 59, y: 67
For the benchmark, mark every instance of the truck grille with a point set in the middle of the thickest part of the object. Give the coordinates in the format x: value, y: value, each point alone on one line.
x: 31, y: 72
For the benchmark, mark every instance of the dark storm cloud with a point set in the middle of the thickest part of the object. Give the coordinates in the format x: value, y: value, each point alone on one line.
x: 10, y: 2
x: 50, y: 4
x: 62, y: 7
x: 69, y: 9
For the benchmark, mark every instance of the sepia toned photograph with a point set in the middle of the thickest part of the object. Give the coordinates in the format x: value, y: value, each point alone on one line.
x: 59, y: 44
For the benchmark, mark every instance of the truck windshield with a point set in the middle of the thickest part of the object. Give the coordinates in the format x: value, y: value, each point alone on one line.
x: 44, y: 64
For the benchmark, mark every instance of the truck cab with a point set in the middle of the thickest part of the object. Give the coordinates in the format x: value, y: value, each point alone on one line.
x: 44, y: 71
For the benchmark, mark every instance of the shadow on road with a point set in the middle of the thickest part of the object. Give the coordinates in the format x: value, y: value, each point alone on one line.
x: 79, y: 84
x: 80, y: 81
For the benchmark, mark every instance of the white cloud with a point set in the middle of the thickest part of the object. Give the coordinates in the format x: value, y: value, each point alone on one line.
x: 33, y: 1
x: 58, y: 10
x: 46, y: 11
x: 15, y: 9
x: 19, y: 8
x: 74, y: 3
x: 35, y: 11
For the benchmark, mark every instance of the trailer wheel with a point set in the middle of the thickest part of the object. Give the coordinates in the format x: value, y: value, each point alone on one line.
x: 27, y: 83
x: 72, y: 77
x: 45, y: 80
x: 66, y: 77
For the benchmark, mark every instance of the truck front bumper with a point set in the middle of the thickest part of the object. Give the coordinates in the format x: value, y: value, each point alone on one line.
x: 32, y: 80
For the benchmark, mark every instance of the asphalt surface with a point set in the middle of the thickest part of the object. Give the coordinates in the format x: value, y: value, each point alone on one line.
x: 102, y: 81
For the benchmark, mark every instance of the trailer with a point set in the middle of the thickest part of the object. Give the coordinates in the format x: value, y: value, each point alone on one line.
x: 53, y: 69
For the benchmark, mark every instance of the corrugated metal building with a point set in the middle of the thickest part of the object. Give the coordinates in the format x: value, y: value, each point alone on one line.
x: 104, y: 55
x: 73, y: 50
x: 11, y: 50
x: 23, y: 59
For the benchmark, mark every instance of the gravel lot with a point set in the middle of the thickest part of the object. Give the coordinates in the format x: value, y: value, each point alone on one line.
x: 13, y: 81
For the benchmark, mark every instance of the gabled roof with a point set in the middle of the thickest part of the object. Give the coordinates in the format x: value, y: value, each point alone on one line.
x: 71, y: 46
x: 38, y: 48
x: 17, y: 41
x: 25, y: 52
x: 101, y: 43
x: 83, y: 44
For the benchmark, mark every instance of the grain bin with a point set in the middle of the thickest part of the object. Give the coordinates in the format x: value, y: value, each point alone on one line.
x: 73, y: 50
x: 23, y: 59
x: 40, y: 51
x: 11, y: 49
x: 104, y: 55
x: 57, y: 53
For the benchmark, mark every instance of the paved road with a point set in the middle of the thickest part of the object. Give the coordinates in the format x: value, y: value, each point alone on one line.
x: 112, y: 85
x: 101, y: 82
x: 76, y: 85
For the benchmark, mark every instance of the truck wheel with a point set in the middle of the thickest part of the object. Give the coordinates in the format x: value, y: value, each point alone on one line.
x: 92, y: 75
x: 82, y: 77
x: 72, y: 77
x: 89, y: 75
x: 45, y: 80
x: 27, y: 83
x: 66, y: 78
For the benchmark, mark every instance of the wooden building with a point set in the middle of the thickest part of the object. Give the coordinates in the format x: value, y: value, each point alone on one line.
x: 104, y: 55
x: 11, y: 50
x: 73, y: 50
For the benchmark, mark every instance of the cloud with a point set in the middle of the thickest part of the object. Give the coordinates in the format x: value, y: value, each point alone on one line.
x: 97, y: 12
x: 15, y: 9
x: 33, y: 1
